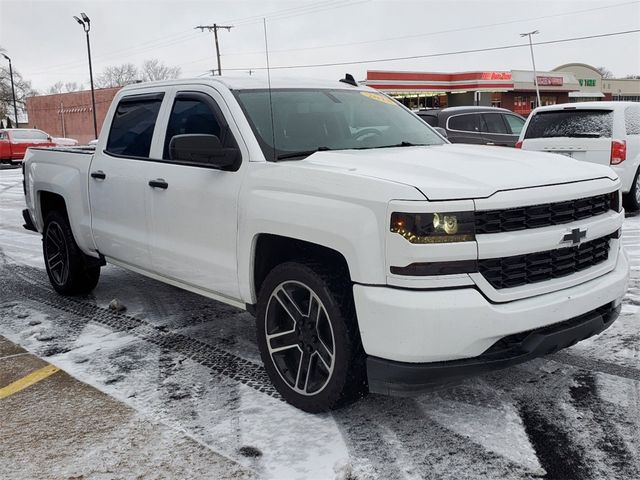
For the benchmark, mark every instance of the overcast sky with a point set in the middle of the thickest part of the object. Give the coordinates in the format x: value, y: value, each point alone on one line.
x: 47, y: 45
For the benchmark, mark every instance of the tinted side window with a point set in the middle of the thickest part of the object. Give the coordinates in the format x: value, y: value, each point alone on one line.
x: 632, y: 120
x: 515, y: 123
x: 190, y: 115
x: 132, y: 126
x: 494, y: 123
x: 430, y: 119
x: 467, y: 123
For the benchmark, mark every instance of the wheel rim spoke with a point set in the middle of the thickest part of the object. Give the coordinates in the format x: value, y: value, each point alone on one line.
x: 325, y: 356
x: 282, y: 341
x: 304, y: 370
x: 288, y: 304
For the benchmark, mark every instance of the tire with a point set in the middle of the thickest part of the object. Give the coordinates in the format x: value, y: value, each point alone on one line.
x: 632, y: 199
x: 70, y: 271
x: 328, y: 349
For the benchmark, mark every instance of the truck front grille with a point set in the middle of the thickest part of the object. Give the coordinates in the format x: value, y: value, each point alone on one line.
x: 509, y: 272
x: 536, y: 216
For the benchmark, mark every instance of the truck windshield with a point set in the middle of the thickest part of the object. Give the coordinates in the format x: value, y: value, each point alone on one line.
x: 309, y: 120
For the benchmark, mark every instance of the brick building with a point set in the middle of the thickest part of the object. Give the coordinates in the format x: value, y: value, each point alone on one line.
x: 69, y: 114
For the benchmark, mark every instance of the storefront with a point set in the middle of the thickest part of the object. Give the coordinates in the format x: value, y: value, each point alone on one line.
x: 594, y: 87
x: 514, y: 89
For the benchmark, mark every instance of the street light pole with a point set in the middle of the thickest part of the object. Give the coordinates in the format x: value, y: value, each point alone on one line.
x: 13, y: 91
x: 533, y: 61
x: 86, y: 26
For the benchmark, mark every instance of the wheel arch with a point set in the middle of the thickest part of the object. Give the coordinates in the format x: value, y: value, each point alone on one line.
x: 270, y: 250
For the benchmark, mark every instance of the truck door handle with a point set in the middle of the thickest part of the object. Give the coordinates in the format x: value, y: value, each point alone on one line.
x: 99, y: 174
x: 158, y: 183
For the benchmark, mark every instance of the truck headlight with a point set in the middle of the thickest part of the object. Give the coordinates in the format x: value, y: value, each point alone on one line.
x: 443, y: 227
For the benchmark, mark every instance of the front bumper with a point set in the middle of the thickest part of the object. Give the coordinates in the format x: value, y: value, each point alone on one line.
x: 401, y: 378
x: 444, y: 325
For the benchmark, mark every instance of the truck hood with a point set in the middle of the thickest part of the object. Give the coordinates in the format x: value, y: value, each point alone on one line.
x: 455, y: 171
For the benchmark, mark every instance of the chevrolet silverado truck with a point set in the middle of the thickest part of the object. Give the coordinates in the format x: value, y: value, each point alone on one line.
x: 374, y: 255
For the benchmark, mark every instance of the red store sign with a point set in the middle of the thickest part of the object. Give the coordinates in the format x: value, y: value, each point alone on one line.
x: 549, y: 81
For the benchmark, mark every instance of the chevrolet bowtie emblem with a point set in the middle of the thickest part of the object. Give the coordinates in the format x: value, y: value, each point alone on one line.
x: 575, y: 236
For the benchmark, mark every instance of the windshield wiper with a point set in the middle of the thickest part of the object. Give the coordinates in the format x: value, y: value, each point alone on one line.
x: 304, y: 153
x: 401, y: 144
x: 584, y: 135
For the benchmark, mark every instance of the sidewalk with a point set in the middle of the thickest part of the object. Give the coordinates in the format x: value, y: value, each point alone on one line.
x: 55, y: 427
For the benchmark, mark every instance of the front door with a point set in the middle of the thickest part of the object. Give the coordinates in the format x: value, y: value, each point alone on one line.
x: 194, y: 209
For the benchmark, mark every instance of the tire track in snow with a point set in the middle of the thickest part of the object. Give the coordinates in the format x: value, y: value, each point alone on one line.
x: 223, y: 362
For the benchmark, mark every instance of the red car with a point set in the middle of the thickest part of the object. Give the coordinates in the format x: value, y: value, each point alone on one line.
x: 15, y: 141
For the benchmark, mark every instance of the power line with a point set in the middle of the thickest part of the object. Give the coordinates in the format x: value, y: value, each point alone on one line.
x: 430, y: 55
x: 440, y: 32
x: 278, y: 12
x: 311, y: 9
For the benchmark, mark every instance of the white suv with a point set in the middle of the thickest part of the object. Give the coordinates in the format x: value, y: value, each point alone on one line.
x: 600, y: 132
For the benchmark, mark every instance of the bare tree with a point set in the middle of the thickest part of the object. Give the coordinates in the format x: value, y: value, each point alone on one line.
x: 23, y: 90
x: 117, y: 76
x: 73, y: 87
x: 57, y: 87
x: 633, y: 77
x: 154, y: 69
x: 605, y: 72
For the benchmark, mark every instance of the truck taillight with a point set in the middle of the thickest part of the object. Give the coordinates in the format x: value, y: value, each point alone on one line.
x: 618, y: 152
x: 518, y: 144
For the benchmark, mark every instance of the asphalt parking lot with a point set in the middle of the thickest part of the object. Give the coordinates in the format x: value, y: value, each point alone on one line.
x: 173, y: 388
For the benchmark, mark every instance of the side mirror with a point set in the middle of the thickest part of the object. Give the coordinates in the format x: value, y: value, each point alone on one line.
x: 204, y: 150
x: 441, y: 131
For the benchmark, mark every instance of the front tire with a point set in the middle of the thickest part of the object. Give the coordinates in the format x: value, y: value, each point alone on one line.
x: 70, y: 271
x: 308, y: 337
x: 632, y: 199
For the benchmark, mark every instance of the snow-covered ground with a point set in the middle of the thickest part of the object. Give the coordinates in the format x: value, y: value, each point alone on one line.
x: 193, y: 364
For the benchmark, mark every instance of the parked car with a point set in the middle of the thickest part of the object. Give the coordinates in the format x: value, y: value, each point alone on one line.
x: 476, y: 125
x: 15, y: 141
x: 599, y: 132
x: 374, y: 254
x: 65, y: 142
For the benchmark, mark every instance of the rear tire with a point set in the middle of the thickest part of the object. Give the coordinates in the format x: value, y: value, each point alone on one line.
x: 631, y: 200
x: 70, y: 271
x: 308, y: 336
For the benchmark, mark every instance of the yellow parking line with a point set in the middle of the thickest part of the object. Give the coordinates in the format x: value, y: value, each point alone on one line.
x: 27, y: 381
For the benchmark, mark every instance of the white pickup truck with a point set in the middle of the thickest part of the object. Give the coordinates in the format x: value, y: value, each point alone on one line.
x: 374, y: 254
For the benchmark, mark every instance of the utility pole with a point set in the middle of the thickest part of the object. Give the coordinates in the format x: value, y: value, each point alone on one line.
x: 13, y: 91
x: 86, y: 25
x: 533, y: 61
x: 214, y: 28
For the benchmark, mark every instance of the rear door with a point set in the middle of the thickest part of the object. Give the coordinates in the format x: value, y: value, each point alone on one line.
x: 496, y: 131
x: 466, y: 128
x: 118, y: 181
x: 581, y: 133
x: 194, y: 213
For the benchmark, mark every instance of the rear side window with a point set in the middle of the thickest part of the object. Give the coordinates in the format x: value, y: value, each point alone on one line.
x: 632, y: 120
x: 571, y: 123
x: 132, y: 126
x: 515, y: 123
x: 467, y: 123
x: 494, y: 123
x: 430, y: 119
